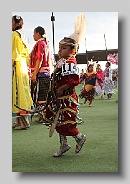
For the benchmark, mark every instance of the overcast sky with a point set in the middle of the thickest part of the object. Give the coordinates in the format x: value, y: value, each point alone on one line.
x: 98, y: 24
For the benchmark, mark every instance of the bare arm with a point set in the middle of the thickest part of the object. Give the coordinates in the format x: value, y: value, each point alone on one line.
x: 36, y: 70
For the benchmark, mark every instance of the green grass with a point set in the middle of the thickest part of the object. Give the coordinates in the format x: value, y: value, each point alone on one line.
x: 32, y: 149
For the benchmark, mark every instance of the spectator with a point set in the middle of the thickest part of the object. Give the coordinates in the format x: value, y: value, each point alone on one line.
x: 40, y: 67
x: 21, y: 95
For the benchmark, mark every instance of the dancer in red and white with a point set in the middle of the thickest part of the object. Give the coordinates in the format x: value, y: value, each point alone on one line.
x: 65, y: 104
x: 108, y: 84
x: 99, y: 84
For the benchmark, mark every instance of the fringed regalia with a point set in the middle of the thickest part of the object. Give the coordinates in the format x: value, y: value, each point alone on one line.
x: 67, y: 103
x: 62, y: 110
x: 88, y: 91
x: 108, y: 85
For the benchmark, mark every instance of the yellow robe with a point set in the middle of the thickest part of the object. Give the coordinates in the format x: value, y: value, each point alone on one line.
x: 20, y: 80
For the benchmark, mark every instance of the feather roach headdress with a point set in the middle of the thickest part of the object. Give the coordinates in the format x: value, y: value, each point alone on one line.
x: 79, y: 33
x: 79, y: 28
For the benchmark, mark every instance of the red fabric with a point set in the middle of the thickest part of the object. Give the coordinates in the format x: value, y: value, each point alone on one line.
x: 88, y: 95
x: 67, y: 117
x: 72, y: 60
x: 101, y: 74
x: 71, y: 80
x: 40, y: 52
x: 67, y: 129
x: 90, y: 79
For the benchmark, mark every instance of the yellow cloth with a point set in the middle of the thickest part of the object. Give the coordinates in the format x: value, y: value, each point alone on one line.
x: 90, y: 73
x: 88, y: 87
x: 20, y: 78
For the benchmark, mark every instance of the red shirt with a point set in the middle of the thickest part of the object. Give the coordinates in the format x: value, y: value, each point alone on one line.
x: 40, y: 52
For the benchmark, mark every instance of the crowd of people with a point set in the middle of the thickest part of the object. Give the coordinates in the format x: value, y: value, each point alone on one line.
x: 31, y: 91
x: 55, y: 91
x: 98, y: 82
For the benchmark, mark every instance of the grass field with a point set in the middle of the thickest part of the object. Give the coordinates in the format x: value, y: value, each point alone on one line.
x: 32, y: 149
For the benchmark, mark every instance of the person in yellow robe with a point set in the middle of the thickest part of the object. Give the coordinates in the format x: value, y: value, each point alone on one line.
x: 21, y: 95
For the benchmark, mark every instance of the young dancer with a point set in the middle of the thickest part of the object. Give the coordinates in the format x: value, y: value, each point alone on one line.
x: 90, y: 78
x: 65, y: 102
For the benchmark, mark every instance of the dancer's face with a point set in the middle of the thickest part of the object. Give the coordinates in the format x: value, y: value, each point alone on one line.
x: 107, y: 65
x: 64, y: 51
x: 90, y: 68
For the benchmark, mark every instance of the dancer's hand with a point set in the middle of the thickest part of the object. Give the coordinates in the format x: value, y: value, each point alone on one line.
x: 33, y: 78
x: 60, y: 90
